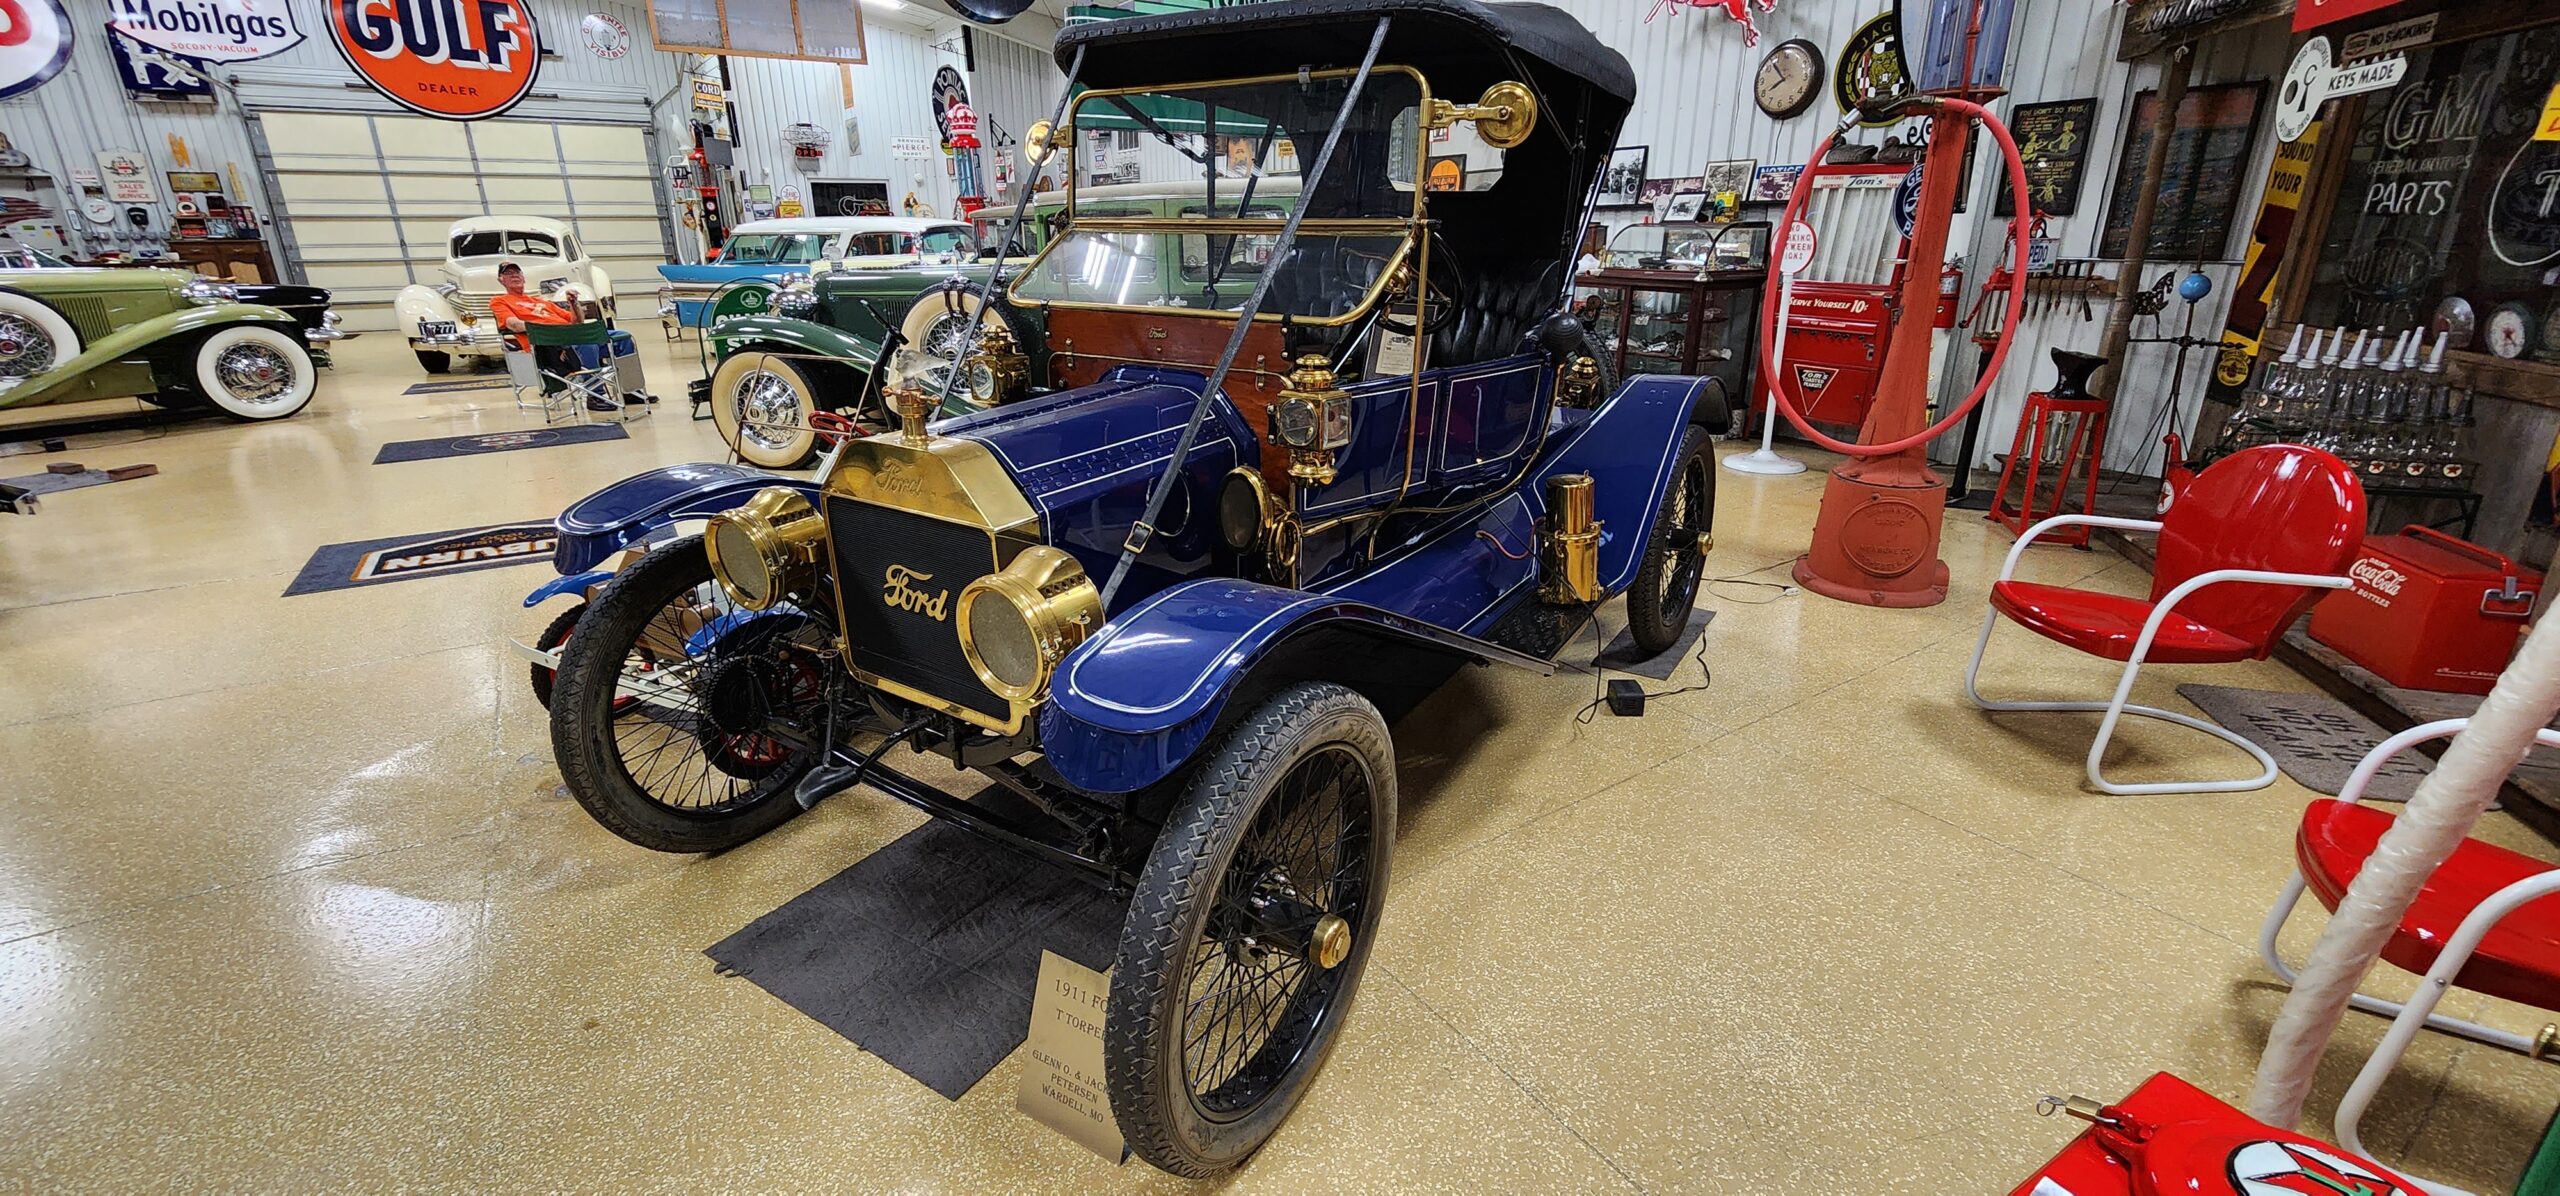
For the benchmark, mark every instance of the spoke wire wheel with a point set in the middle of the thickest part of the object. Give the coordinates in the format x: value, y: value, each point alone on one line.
x: 1274, y: 865
x: 762, y: 403
x: 664, y: 705
x: 1665, y: 594
x: 34, y: 338
x: 254, y: 372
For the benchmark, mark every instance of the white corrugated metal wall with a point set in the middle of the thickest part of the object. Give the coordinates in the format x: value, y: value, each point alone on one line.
x: 892, y: 95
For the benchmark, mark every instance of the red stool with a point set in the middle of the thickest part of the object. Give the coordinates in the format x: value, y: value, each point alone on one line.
x: 2081, y: 448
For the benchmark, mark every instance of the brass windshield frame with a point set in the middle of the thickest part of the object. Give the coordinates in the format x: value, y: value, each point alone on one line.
x: 1404, y: 227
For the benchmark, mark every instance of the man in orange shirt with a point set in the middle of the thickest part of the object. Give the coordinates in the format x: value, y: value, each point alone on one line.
x: 514, y: 309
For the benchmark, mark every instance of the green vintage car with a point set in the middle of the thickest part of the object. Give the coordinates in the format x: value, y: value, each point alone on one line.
x: 815, y: 351
x: 176, y: 339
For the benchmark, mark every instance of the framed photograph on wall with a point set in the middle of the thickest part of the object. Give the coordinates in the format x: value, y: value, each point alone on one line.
x: 1684, y: 207
x: 2201, y: 178
x: 1622, y: 183
x: 1773, y: 184
x: 1733, y: 175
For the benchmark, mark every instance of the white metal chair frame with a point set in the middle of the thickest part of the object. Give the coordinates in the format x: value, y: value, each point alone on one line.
x: 2419, y: 1012
x: 2117, y: 707
x: 577, y: 389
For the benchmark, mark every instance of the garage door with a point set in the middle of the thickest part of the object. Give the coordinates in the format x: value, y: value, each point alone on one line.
x: 366, y: 199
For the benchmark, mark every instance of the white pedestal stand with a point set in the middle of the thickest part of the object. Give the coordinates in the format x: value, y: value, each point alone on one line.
x: 1767, y: 460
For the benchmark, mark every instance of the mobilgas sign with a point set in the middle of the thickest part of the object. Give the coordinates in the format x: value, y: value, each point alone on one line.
x: 457, y: 59
x: 208, y: 30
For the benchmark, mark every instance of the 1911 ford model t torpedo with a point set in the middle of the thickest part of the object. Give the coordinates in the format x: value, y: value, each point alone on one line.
x: 1163, y: 603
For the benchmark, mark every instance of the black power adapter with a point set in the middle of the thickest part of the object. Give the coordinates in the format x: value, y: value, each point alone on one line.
x: 1626, y: 698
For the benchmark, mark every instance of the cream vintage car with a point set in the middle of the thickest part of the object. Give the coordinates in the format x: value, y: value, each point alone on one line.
x: 450, y: 319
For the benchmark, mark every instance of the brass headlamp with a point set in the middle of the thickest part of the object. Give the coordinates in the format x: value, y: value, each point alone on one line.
x: 1312, y: 419
x: 766, y: 548
x: 1018, y: 622
x: 1578, y: 384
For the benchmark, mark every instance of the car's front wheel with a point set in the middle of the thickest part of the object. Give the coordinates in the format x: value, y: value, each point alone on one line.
x: 761, y: 403
x: 254, y: 372
x: 1251, y: 924
x: 674, y: 716
x: 434, y: 362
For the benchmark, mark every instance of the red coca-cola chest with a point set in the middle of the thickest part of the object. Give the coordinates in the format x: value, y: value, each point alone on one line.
x: 2429, y: 611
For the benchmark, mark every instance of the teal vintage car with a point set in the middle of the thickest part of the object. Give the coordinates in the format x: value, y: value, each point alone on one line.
x: 167, y: 336
x: 816, y: 349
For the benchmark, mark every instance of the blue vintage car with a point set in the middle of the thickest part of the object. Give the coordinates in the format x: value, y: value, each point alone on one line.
x: 761, y: 255
x: 1281, y: 486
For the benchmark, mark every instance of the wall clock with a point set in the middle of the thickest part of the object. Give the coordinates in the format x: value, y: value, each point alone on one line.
x: 1789, y: 78
x: 2510, y: 330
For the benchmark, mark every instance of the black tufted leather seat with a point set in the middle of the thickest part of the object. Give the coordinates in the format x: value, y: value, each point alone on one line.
x: 1502, y: 303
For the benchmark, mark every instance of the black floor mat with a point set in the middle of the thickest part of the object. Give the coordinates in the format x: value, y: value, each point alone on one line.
x: 926, y: 952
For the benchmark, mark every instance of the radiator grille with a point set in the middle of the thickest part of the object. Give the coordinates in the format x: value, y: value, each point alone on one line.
x: 916, y: 643
x: 471, y: 306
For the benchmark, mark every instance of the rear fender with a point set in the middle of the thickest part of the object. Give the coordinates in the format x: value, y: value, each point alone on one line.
x: 614, y: 518
x: 1134, y: 703
x: 1628, y: 446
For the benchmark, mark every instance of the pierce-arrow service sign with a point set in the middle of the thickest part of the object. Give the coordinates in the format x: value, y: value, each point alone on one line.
x: 208, y: 30
x: 35, y: 44
x: 456, y: 59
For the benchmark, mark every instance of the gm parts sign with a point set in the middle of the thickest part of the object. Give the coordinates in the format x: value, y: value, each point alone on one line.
x: 457, y: 59
x: 211, y: 30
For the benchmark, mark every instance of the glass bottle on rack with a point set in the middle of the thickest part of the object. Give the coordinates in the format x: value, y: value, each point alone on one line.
x: 2386, y: 441
x: 2253, y: 421
x: 2341, y: 391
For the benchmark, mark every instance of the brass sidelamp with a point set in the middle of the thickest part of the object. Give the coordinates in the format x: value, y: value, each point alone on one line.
x: 1578, y: 384
x: 1572, y: 544
x: 1503, y: 117
x: 1312, y: 418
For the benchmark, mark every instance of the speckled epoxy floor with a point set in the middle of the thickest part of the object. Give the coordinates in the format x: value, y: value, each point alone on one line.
x: 288, y: 898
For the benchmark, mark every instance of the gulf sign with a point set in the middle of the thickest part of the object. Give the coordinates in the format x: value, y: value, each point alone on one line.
x: 456, y: 59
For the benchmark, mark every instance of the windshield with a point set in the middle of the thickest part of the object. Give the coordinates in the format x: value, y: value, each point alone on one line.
x: 769, y: 248
x: 493, y: 243
x: 1221, y: 163
x: 950, y: 240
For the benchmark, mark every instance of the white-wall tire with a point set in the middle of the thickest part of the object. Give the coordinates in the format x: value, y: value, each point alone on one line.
x: 254, y: 372
x: 942, y: 313
x: 761, y: 404
x: 34, y: 338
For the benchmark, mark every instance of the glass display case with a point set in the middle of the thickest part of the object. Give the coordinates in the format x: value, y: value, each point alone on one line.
x: 1680, y: 298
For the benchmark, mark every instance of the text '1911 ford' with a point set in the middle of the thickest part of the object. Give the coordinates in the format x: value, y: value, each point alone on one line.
x: 1165, y: 601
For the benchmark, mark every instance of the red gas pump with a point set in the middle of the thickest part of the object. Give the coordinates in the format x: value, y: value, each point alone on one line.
x: 1876, y: 540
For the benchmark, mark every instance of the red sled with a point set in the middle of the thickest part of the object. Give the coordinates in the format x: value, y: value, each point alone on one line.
x: 2170, y: 1137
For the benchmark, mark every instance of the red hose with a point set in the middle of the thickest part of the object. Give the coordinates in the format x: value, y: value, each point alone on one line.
x: 1770, y: 313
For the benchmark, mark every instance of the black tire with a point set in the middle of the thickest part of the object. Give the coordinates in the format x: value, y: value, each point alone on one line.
x: 738, y: 790
x: 555, y: 635
x: 1665, y: 594
x: 1239, y: 817
x: 434, y: 362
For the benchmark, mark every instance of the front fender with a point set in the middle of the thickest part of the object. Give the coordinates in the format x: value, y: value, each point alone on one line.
x: 136, y: 340
x: 574, y: 583
x: 1134, y: 703
x: 797, y: 336
x: 417, y: 303
x: 612, y: 519
x: 1629, y: 446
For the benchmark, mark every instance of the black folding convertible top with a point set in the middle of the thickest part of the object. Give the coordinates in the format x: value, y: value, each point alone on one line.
x: 1462, y: 46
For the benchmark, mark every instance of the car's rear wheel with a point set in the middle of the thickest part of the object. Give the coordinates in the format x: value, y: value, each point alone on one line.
x: 1665, y: 594
x: 1249, y: 930
x: 761, y: 403
x: 254, y: 372
x: 434, y: 362
x: 673, y: 714
x: 34, y: 338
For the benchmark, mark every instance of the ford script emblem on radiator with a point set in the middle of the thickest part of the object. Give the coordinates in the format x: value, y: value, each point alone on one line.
x: 900, y: 594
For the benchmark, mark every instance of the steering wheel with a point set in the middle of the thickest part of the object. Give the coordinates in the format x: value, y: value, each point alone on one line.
x: 1444, y: 290
x: 2018, y: 233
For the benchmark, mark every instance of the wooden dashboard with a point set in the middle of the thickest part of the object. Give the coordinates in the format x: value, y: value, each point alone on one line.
x: 1084, y: 345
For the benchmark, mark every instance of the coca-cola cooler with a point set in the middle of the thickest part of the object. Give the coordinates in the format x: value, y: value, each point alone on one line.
x: 2429, y: 611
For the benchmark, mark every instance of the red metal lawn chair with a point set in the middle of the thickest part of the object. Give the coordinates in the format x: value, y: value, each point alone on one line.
x: 2487, y: 919
x: 2244, y: 550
